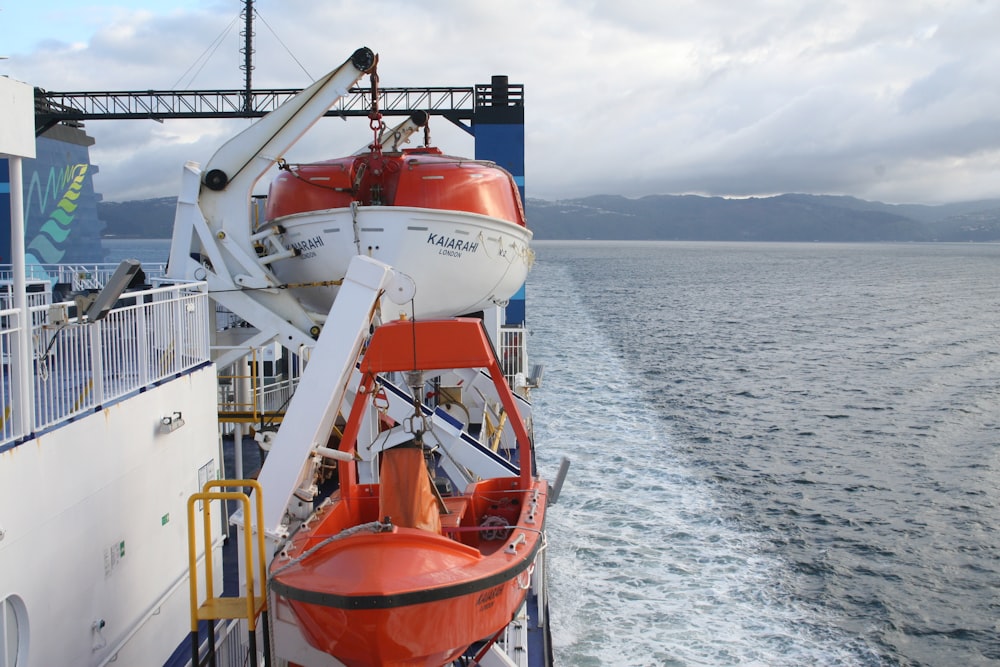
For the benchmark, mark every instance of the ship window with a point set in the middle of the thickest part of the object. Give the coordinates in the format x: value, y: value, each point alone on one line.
x: 13, y: 632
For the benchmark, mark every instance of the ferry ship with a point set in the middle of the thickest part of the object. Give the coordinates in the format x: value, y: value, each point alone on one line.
x: 398, y: 517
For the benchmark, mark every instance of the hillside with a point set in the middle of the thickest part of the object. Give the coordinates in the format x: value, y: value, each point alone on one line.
x: 139, y: 219
x: 781, y: 218
x: 791, y: 217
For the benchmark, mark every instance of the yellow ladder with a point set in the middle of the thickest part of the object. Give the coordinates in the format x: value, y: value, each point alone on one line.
x: 214, y: 608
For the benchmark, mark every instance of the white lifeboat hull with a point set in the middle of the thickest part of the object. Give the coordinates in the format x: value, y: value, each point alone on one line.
x: 460, y: 262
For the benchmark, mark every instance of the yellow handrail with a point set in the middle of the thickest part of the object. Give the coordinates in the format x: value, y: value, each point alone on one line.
x: 250, y: 605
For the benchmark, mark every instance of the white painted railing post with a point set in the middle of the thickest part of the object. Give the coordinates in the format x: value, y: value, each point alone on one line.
x: 179, y: 337
x: 142, y: 343
x: 96, y: 362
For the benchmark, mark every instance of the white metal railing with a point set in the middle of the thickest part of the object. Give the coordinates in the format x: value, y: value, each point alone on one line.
x: 276, y: 396
x: 225, y: 318
x: 266, y: 394
x: 38, y: 293
x: 153, y: 335
x: 10, y: 331
x: 230, y: 648
x: 512, y: 352
x: 231, y: 645
x: 78, y: 277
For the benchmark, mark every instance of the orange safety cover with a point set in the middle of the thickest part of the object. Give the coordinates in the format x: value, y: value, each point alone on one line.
x: 452, y: 185
x: 405, y: 494
x: 310, y: 187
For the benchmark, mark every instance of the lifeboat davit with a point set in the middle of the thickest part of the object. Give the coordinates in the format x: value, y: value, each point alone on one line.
x: 454, y: 225
x: 393, y: 573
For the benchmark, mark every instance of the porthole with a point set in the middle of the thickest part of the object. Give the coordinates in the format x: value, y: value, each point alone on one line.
x: 13, y: 632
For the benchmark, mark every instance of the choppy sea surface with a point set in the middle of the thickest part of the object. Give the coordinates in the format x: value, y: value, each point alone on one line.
x: 783, y: 454
x: 151, y: 251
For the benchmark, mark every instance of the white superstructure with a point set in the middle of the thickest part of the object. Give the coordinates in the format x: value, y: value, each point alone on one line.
x: 93, y: 564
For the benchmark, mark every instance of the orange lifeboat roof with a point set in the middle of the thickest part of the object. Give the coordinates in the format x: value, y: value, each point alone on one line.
x: 416, y: 177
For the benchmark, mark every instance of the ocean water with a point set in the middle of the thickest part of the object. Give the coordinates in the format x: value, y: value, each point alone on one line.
x: 783, y: 454
x: 147, y: 251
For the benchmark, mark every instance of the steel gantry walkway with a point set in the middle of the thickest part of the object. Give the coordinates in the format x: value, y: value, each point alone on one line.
x: 457, y: 104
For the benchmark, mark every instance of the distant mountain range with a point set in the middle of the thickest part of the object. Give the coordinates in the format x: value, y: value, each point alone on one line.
x: 791, y: 217
x: 781, y: 218
x: 138, y: 219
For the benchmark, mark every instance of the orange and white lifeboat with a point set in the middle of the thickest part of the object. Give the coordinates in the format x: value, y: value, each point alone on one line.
x: 392, y: 573
x: 454, y: 225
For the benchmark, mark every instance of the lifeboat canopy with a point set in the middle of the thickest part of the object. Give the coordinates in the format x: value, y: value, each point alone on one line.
x: 418, y: 177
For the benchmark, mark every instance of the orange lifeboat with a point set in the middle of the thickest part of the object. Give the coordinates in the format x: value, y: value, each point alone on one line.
x: 455, y: 226
x: 392, y: 573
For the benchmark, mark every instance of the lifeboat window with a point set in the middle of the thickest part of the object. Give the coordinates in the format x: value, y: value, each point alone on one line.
x: 13, y: 632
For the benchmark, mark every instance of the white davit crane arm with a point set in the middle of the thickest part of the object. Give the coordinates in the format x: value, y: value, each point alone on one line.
x: 313, y: 409
x: 214, y: 215
x: 392, y: 139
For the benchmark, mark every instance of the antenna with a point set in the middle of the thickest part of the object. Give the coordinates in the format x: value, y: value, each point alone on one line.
x: 247, y: 52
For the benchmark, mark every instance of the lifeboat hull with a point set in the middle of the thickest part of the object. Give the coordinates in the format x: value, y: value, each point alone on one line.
x: 460, y: 262
x: 404, y: 597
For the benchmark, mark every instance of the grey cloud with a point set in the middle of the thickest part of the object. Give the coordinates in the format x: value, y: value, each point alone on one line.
x: 872, y: 98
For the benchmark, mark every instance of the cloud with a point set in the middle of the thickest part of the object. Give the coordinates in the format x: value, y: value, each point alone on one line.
x: 871, y: 98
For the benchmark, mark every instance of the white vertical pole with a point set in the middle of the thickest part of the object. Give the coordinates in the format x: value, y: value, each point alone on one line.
x: 238, y: 451
x: 241, y: 394
x: 23, y: 389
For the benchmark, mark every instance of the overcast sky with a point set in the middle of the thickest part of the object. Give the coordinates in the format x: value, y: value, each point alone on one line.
x: 896, y: 101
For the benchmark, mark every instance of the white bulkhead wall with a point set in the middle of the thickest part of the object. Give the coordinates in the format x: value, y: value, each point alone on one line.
x: 95, y: 526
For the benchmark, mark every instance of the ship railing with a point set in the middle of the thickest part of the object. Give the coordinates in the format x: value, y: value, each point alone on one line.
x: 38, y: 293
x: 78, y: 367
x: 10, y: 340
x: 66, y: 278
x: 231, y: 645
x: 250, y: 390
x: 226, y: 319
x: 512, y: 352
x: 253, y: 391
x: 275, y: 397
